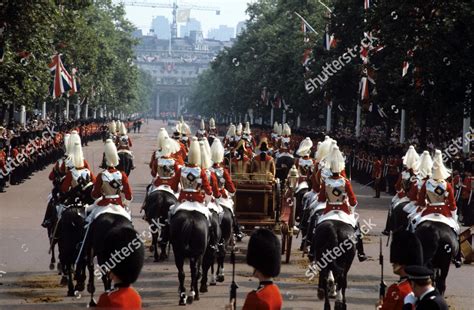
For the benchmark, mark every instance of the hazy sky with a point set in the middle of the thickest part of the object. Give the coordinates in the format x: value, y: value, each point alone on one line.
x: 232, y: 12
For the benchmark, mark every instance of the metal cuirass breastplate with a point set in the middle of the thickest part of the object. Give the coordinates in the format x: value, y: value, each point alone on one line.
x: 406, y: 180
x: 124, y: 140
x: 80, y: 177
x: 166, y: 168
x: 220, y: 176
x: 111, y: 183
x: 335, y: 189
x: 191, y: 179
x: 304, y: 166
x: 436, y: 191
x: 325, y: 174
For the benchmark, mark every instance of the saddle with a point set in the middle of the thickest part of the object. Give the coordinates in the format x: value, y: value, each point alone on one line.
x: 191, y: 206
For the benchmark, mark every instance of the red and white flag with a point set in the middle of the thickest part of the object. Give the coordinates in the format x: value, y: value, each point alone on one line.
x: 61, y: 78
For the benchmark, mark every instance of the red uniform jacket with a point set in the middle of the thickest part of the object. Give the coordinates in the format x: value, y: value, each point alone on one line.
x: 266, y: 297
x: 97, y: 190
x: 120, y: 298
x: 345, y: 206
x: 377, y: 171
x: 229, y: 185
x: 67, y: 182
x: 395, y: 295
x: 196, y: 196
x: 450, y: 203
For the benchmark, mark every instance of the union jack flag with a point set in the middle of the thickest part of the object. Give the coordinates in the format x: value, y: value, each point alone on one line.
x: 75, y: 86
x: 61, y: 78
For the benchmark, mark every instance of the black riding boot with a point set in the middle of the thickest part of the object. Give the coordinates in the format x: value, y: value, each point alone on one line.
x: 457, y: 258
x: 48, y: 215
x: 237, y: 232
x: 360, y: 246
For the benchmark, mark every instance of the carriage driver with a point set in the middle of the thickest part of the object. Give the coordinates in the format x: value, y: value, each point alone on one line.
x: 337, y: 192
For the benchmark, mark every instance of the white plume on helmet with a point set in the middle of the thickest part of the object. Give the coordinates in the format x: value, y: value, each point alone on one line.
x: 166, y: 146
x: 424, y: 165
x: 217, y: 151
x: 212, y: 123
x: 231, y: 132
x: 118, y: 124
x: 161, y: 135
x: 122, y: 129
x: 280, y: 129
x: 238, y: 130
x: 286, y: 130
x: 440, y: 172
x: 111, y: 155
x: 336, y: 160
x: 247, y: 128
x: 276, y: 128
x: 323, y: 149
x: 112, y: 127
x: 194, y: 154
x: 73, y: 139
x: 206, y: 161
x: 411, y: 158
x: 305, y: 147
x: 78, y: 157
x: 66, y: 144
x: 184, y: 129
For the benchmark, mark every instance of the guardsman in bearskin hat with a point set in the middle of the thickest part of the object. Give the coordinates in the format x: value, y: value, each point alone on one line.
x: 79, y: 178
x: 337, y: 192
x: 425, y: 295
x: 125, y: 272
x: 263, y: 165
x: 224, y: 182
x: 264, y: 255
x: 240, y: 163
x: 111, y: 183
x: 405, y: 250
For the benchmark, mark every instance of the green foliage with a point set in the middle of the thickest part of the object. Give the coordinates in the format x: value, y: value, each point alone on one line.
x: 92, y: 36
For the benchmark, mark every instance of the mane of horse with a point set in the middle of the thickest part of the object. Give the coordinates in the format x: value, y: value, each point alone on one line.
x: 189, y: 233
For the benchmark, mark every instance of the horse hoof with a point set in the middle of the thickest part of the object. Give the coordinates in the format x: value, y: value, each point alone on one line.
x: 51, y: 266
x: 58, y: 267
x: 70, y: 293
x: 63, y: 281
x: 90, y: 288
x: 182, y: 299
x: 203, y: 288
x: 92, y: 303
x: 156, y: 259
x: 320, y: 294
x: 220, y: 278
x: 196, y: 297
x: 339, y: 305
x: 190, y: 300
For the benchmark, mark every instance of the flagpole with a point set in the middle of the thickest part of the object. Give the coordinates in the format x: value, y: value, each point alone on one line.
x: 67, y: 108
x: 359, y: 110
x: 328, y: 118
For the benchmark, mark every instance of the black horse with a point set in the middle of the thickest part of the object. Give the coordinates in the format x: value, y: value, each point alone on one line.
x: 440, y: 246
x: 70, y: 233
x: 189, y: 233
x: 398, y: 218
x: 52, y: 230
x: 328, y: 236
x: 99, y: 229
x: 157, y: 206
x: 125, y: 162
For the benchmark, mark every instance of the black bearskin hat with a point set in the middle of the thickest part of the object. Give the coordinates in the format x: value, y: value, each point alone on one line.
x: 264, y: 252
x: 124, y: 240
x: 406, y: 249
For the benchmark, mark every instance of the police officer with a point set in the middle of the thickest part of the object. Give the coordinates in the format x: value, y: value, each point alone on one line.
x: 264, y: 255
x: 424, y: 295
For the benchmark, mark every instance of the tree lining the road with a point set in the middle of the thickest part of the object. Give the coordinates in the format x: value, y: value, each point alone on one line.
x: 436, y: 38
x: 92, y: 36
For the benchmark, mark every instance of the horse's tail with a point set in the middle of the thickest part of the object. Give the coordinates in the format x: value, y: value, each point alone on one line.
x: 333, y: 242
x: 324, y: 242
x: 430, y: 239
x: 187, y: 232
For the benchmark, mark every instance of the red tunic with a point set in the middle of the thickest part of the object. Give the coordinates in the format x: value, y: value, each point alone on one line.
x: 229, y: 185
x: 395, y: 295
x: 466, y: 188
x: 449, y: 202
x: 97, y: 190
x: 266, y: 297
x: 345, y: 206
x: 67, y: 183
x: 120, y: 298
x: 196, y: 196
x: 377, y: 172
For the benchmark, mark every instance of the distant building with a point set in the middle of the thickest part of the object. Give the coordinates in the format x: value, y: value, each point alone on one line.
x: 161, y: 27
x: 223, y: 33
x: 241, y: 26
x: 176, y: 71
x: 137, y: 33
x: 192, y: 25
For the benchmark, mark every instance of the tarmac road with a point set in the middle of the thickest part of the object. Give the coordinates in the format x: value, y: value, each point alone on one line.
x: 27, y: 283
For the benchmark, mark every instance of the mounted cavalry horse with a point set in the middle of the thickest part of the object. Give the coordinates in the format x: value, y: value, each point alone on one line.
x: 124, y: 143
x: 335, y: 233
x: 76, y: 191
x: 436, y: 225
